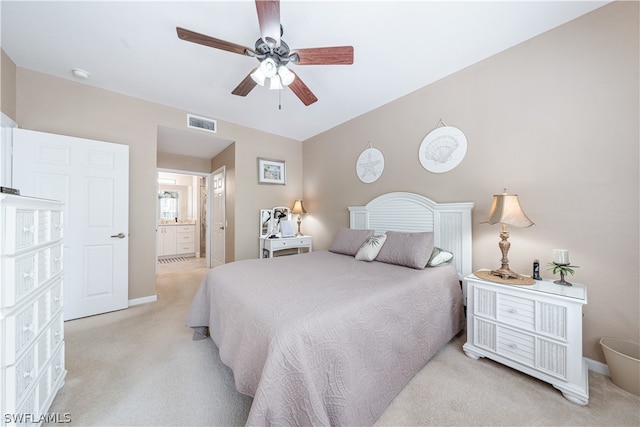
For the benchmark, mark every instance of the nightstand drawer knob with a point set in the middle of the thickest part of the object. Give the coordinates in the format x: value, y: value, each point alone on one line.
x: 513, y: 346
x: 513, y: 311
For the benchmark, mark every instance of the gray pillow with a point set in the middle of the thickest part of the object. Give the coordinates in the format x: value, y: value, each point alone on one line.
x: 347, y: 241
x: 407, y: 249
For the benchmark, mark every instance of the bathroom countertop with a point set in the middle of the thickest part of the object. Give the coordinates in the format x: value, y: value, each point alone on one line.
x: 185, y: 222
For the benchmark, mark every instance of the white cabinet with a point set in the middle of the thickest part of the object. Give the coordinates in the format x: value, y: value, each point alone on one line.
x: 185, y: 239
x: 176, y: 239
x: 166, y: 240
x: 31, y: 325
x: 535, y: 329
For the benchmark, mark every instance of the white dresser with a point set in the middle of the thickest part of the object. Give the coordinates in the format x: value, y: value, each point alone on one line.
x: 535, y: 329
x: 31, y: 325
x: 269, y: 246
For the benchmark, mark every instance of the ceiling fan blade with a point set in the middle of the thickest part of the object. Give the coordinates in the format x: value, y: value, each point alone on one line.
x: 302, y: 91
x: 337, y: 55
x: 245, y: 85
x: 269, y: 19
x: 192, y: 36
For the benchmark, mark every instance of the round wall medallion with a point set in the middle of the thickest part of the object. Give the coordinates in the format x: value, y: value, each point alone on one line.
x: 442, y: 149
x: 370, y: 165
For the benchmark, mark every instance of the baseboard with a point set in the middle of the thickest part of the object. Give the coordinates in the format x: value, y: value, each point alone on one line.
x: 143, y: 300
x: 597, y: 367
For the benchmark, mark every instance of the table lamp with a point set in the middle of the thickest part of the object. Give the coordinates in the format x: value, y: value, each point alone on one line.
x: 298, y: 208
x: 506, y: 210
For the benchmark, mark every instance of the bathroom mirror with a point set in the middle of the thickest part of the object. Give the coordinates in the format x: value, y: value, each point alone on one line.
x: 169, y: 205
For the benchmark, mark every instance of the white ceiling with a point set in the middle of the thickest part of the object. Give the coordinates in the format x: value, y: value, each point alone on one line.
x: 132, y: 48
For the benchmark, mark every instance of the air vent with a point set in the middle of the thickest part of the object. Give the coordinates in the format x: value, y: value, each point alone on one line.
x: 201, y: 123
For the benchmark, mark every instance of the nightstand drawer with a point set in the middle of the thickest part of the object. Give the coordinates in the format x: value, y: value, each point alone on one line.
x: 516, y: 345
x: 516, y: 311
x: 506, y: 342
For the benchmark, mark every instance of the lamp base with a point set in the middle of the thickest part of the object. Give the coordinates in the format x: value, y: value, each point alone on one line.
x: 522, y: 280
x: 299, y: 233
x: 505, y: 273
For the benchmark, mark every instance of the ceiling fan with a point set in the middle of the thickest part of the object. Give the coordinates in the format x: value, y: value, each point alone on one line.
x: 274, y: 54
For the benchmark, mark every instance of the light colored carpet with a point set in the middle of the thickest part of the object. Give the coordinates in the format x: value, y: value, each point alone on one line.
x: 140, y: 367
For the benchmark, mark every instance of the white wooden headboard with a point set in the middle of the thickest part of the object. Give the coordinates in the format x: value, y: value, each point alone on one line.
x: 409, y: 212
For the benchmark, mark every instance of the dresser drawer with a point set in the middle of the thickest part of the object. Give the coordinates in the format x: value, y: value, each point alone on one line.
x: 57, y: 367
x: 288, y: 243
x: 27, y: 272
x: 516, y: 311
x: 20, y: 376
x: 55, y: 297
x: 516, y: 345
x: 20, y: 329
x: 19, y: 278
x: 26, y: 228
x: 185, y: 228
x: 185, y: 248
x: 184, y: 238
x: 504, y: 341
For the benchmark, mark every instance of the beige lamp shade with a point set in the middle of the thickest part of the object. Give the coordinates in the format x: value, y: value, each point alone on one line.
x: 298, y: 207
x: 506, y: 209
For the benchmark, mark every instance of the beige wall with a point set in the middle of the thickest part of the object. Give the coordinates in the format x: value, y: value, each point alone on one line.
x: 49, y: 104
x: 183, y: 163
x: 554, y: 120
x: 250, y: 196
x: 7, y: 86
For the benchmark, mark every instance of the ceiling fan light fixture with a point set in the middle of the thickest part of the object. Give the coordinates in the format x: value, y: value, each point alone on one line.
x: 276, y: 84
x: 286, y: 76
x: 269, y: 67
x: 258, y: 76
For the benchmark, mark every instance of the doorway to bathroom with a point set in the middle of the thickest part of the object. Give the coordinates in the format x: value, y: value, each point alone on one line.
x: 182, y: 221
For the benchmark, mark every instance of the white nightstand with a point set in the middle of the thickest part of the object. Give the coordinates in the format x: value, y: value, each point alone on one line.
x: 281, y: 243
x: 535, y: 329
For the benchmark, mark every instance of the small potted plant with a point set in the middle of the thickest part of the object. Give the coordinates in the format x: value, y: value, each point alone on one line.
x: 563, y: 269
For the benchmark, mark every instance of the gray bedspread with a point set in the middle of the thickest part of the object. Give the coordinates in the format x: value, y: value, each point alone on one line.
x: 323, y: 339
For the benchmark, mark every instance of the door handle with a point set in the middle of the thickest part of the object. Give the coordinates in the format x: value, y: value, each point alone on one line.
x: 221, y: 228
x: 119, y: 235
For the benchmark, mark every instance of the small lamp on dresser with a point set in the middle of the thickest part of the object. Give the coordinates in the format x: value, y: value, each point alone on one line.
x: 298, y: 209
x: 506, y: 210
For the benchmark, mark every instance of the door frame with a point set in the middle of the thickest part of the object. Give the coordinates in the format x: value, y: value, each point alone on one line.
x: 207, y: 176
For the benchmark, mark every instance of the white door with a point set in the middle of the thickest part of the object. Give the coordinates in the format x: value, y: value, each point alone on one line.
x: 218, y: 218
x: 92, y: 179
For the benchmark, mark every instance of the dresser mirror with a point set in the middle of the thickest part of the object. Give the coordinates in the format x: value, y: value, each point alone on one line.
x: 270, y: 220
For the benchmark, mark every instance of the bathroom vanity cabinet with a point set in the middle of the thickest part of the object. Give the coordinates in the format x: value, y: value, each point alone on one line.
x: 176, y: 240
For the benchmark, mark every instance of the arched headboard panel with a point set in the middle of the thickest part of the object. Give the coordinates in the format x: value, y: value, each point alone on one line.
x: 409, y: 212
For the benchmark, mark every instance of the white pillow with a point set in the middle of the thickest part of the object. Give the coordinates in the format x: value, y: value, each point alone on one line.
x: 370, y: 248
x: 440, y: 257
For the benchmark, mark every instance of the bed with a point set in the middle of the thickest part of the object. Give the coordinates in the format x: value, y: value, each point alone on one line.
x: 324, y: 338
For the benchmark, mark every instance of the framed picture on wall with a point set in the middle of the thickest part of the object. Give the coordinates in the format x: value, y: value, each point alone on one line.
x: 271, y: 171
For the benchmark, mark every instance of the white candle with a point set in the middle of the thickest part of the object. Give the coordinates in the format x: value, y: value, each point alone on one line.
x: 561, y: 256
